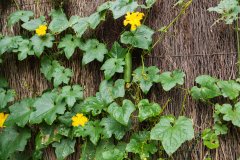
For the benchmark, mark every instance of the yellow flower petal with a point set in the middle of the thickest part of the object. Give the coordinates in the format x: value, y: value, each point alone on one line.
x: 134, y: 19
x: 79, y: 120
x: 3, y: 118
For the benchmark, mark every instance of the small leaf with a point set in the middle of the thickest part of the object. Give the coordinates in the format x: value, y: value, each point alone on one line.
x: 149, y: 4
x: 208, y: 88
x: 94, y: 20
x: 172, y: 133
x: 48, y: 67
x: 112, y: 66
x: 13, y: 139
x: 79, y: 26
x: 139, y: 144
x: 121, y: 114
x: 229, y: 89
x: 88, y: 151
x: 117, y: 51
x: 19, y: 15
x: 210, y: 139
x: 147, y: 110
x: 20, y: 113
x: 111, y: 126
x: 69, y: 43
x: 220, y: 129
x: 39, y: 43
x: 121, y: 7
x: 93, y: 50
x: 170, y: 80
x: 25, y: 49
x: 3, y: 82
x: 46, y: 109
x: 116, y: 153
x: 61, y: 75
x: 141, y: 38
x: 6, y: 96
x: 64, y: 148
x: 33, y: 24
x: 59, y: 21
x: 145, y: 77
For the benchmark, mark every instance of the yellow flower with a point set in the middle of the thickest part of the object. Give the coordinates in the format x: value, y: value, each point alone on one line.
x: 41, y: 30
x: 79, y: 120
x: 3, y: 118
x: 134, y: 19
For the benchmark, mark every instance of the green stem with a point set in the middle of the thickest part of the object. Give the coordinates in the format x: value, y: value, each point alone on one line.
x: 128, y: 67
x: 238, y: 48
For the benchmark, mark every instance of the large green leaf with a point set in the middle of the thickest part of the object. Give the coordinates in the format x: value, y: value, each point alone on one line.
x: 93, y: 50
x: 6, y: 96
x: 79, y: 25
x: 115, y: 152
x: 88, y: 151
x: 39, y: 43
x: 19, y: 15
x: 111, y: 126
x: 171, y: 79
x: 71, y: 94
x: 230, y: 113
x: 145, y: 77
x: 172, y: 133
x: 20, y: 113
x: 46, y: 109
x: 140, y: 38
x: 229, y: 88
x: 13, y: 139
x: 140, y: 144
x: 25, y: 48
x: 69, y: 43
x: 117, y: 51
x: 32, y: 25
x: 64, y: 148
x: 208, y: 88
x: 59, y: 21
x: 147, y: 110
x: 121, y: 114
x: 121, y: 7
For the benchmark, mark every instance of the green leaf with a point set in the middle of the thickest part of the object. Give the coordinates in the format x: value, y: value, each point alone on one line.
x: 139, y: 144
x: 66, y: 119
x: 6, y: 96
x: 25, y: 49
x: 147, y: 110
x: 20, y: 113
x: 48, y: 67
x: 19, y: 15
x: 59, y: 21
x: 145, y: 77
x: 121, y: 7
x: 88, y: 151
x: 46, y: 109
x: 61, y: 75
x: 229, y: 10
x: 95, y: 105
x: 93, y: 50
x: 8, y: 44
x: 112, y: 66
x: 33, y: 24
x: 64, y: 148
x: 46, y: 136
x: 230, y: 113
x: 69, y: 43
x: 72, y: 94
x: 93, y: 129
x: 117, y: 51
x: 39, y: 43
x: 121, y: 114
x: 94, y: 20
x: 103, y: 7
x: 220, y: 128
x: 149, y: 4
x: 111, y: 126
x: 140, y: 38
x: 79, y: 25
x: 210, y: 139
x: 13, y: 139
x: 116, y: 152
x: 208, y: 88
x: 110, y: 91
x: 172, y: 133
x: 171, y: 79
x: 3, y: 82
x: 229, y: 89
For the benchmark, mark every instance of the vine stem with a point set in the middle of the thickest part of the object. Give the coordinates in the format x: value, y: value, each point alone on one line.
x: 183, y: 10
x: 128, y: 67
x: 16, y: 3
x: 238, y: 47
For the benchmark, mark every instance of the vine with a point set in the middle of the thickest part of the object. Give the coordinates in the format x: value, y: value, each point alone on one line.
x: 62, y: 115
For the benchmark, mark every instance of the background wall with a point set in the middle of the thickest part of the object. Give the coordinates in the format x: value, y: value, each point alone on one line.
x: 191, y: 45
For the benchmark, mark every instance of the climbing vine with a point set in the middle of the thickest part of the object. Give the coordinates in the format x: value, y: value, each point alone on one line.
x: 60, y: 116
